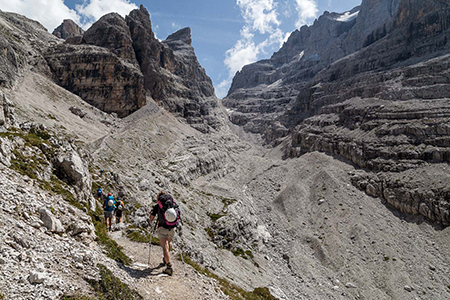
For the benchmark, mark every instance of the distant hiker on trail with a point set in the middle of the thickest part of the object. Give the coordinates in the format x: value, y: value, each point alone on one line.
x: 108, y: 208
x: 120, y: 207
x: 99, y: 194
x: 168, y: 218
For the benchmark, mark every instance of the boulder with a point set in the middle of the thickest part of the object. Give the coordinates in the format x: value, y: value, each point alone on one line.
x: 74, y: 171
x: 80, y: 227
x: 37, y: 277
x: 2, y: 110
x: 6, y: 148
x: 50, y: 221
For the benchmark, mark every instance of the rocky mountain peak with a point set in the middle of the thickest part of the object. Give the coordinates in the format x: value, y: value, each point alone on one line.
x: 183, y: 35
x: 112, y: 32
x: 68, y: 28
x: 139, y: 20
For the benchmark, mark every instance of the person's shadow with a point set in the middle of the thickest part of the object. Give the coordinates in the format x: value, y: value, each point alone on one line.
x: 141, y: 273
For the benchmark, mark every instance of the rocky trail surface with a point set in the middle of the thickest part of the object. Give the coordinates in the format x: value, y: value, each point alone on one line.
x: 152, y: 283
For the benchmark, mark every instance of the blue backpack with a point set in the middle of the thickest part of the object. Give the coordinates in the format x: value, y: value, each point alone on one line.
x: 110, y: 203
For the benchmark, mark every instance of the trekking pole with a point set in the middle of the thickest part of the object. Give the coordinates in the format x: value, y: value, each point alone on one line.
x: 150, y: 243
x: 181, y: 254
x: 150, y: 246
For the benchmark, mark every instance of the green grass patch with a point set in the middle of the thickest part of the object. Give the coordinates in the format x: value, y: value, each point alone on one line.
x: 110, y: 287
x: 25, y: 166
x: 112, y: 249
x: 240, y: 252
x: 210, y: 232
x: 215, y: 217
x: 31, y: 139
x: 229, y: 289
x: 61, y: 188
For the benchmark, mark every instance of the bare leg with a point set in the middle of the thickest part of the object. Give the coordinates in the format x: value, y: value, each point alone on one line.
x: 165, y: 244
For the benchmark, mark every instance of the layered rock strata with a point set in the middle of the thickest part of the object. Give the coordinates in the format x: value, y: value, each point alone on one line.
x: 98, y: 76
x: 384, y: 107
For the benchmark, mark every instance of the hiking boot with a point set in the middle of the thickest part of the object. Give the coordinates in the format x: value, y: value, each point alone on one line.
x: 168, y: 270
x: 163, y: 264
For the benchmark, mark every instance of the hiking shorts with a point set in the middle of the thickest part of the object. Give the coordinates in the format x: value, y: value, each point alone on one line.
x: 119, y: 214
x: 164, y: 233
x: 109, y: 214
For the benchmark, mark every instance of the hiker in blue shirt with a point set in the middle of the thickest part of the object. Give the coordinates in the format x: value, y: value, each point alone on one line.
x: 99, y: 194
x: 108, y: 208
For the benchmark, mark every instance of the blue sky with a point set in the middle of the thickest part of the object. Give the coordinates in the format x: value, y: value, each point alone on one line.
x: 226, y: 34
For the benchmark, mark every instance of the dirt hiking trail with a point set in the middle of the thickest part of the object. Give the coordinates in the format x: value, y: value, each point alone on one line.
x: 152, y: 283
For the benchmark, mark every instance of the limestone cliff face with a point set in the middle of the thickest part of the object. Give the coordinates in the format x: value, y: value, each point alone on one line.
x: 99, y: 77
x: 262, y: 91
x: 186, y: 65
x: 383, y: 104
x: 23, y: 43
x: 67, y: 29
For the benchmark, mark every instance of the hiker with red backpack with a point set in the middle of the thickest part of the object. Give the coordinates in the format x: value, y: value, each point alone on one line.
x: 168, y: 218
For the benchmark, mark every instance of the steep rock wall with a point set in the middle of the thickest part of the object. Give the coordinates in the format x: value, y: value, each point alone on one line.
x: 172, y: 75
x: 99, y: 77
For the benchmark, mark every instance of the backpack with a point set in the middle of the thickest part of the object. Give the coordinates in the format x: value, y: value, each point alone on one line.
x: 110, y: 202
x: 120, y: 206
x: 169, y: 211
x: 99, y: 192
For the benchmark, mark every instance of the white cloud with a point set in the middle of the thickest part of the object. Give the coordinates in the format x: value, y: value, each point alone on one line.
x: 244, y: 52
x: 259, y: 14
x: 49, y: 13
x: 307, y: 10
x: 93, y: 10
x: 260, y: 18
